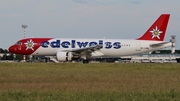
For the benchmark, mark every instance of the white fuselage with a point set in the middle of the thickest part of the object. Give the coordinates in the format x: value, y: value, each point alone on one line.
x: 110, y: 47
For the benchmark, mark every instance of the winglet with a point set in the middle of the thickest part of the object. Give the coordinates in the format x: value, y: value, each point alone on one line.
x: 158, y: 30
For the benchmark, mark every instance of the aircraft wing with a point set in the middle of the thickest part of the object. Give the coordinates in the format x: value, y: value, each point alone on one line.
x: 158, y: 44
x: 88, y: 51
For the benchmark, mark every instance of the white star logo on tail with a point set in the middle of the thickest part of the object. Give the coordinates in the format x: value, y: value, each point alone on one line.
x: 156, y: 33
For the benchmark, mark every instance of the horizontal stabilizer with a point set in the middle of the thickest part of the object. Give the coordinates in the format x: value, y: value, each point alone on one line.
x: 158, y: 44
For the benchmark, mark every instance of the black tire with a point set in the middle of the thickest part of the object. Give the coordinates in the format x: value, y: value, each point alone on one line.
x: 85, y: 61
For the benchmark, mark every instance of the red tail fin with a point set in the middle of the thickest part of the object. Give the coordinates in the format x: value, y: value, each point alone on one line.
x: 157, y: 30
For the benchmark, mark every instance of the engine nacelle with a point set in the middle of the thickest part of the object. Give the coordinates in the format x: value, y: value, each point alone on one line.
x: 64, y: 56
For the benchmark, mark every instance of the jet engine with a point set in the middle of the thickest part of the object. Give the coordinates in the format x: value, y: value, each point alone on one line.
x: 64, y: 56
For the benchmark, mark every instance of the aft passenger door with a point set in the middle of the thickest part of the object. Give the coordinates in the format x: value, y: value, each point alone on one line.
x: 138, y: 46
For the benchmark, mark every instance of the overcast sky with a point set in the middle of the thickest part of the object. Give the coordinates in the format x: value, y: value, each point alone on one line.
x: 120, y: 19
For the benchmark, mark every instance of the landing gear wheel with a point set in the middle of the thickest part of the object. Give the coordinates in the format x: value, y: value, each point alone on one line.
x: 85, y: 61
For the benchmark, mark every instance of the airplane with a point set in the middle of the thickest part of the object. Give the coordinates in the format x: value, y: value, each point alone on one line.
x: 68, y: 49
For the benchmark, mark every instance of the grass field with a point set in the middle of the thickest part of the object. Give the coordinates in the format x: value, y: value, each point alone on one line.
x: 89, y: 82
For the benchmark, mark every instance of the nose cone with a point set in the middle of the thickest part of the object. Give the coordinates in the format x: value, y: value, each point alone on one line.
x: 12, y: 49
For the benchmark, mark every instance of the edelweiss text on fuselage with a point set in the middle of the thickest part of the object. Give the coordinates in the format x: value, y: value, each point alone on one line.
x: 80, y: 44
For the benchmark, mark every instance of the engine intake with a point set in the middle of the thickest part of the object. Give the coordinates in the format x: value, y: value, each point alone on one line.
x: 64, y: 56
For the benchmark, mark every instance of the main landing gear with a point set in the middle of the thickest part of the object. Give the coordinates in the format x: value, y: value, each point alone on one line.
x: 85, y: 61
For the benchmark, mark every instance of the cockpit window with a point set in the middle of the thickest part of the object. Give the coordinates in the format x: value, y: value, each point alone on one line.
x: 18, y: 43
